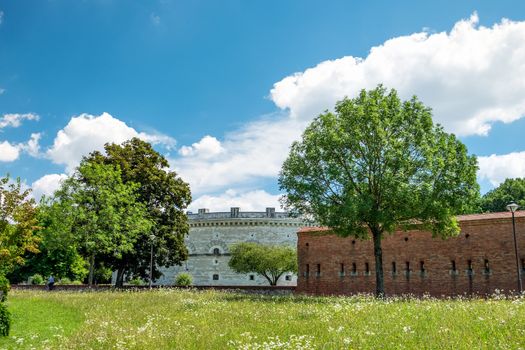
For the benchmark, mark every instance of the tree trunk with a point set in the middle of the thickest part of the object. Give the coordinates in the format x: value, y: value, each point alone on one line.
x: 91, y: 269
x: 378, y: 254
x: 119, y: 282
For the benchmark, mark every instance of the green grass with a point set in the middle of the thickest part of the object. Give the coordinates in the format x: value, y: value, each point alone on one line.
x: 180, y: 319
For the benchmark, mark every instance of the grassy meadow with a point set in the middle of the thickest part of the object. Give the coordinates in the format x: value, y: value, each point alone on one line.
x: 184, y: 319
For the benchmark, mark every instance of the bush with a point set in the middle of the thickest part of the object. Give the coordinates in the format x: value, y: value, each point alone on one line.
x: 4, y: 288
x: 5, y: 321
x: 183, y: 280
x: 136, y: 282
x: 36, y: 279
x: 76, y: 283
x: 64, y: 280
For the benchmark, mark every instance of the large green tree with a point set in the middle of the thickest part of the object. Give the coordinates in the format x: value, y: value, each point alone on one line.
x: 18, y: 222
x: 377, y: 164
x: 269, y: 261
x: 511, y: 190
x: 165, y: 196
x: 99, y: 214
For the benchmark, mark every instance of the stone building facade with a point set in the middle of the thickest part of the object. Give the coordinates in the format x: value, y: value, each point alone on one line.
x: 481, y: 260
x: 212, y: 234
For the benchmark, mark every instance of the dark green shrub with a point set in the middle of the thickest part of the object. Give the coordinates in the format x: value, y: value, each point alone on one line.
x: 5, y: 320
x: 183, y: 280
x: 4, y: 288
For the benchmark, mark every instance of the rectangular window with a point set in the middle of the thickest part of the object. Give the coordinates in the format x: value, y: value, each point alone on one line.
x: 307, y: 271
x: 318, y: 274
x: 354, y: 269
x: 342, y: 270
x: 216, y: 277
x: 394, y: 268
x: 252, y: 277
x: 422, y: 267
x: 469, y: 268
x: 288, y: 277
x: 367, y: 269
x: 523, y: 265
x: 407, y: 268
x: 486, y: 266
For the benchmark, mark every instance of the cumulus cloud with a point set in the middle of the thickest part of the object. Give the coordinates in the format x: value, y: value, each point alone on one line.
x: 47, y: 185
x: 246, y: 155
x: 256, y: 200
x: 472, y: 76
x: 86, y: 133
x: 497, y: 168
x: 207, y: 147
x: 8, y: 152
x: 15, y: 120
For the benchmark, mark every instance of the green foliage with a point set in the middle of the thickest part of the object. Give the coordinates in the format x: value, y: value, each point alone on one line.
x: 511, y: 190
x: 378, y: 164
x: 5, y: 320
x: 183, y: 280
x: 64, y: 281
x: 17, y: 224
x: 136, y: 282
x: 36, y: 279
x: 4, y: 288
x: 98, y: 214
x: 268, y: 261
x: 165, y: 197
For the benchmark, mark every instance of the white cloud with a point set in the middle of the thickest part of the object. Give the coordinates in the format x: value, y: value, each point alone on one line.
x: 207, y: 147
x: 1, y: 17
x: 47, y: 185
x: 2, y: 91
x: 15, y: 120
x: 256, y: 200
x: 32, y: 147
x: 248, y: 154
x: 86, y: 133
x: 8, y: 152
x: 472, y: 77
x: 497, y: 168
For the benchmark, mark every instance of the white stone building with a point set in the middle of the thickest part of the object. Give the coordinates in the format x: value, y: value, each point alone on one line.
x: 212, y: 234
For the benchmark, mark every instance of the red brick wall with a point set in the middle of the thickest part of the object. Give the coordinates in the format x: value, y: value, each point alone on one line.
x: 480, y: 240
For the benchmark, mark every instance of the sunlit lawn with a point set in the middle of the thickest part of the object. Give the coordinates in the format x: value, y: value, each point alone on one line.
x: 180, y: 319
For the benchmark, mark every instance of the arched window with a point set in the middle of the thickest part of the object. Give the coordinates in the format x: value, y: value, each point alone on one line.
x: 216, y: 251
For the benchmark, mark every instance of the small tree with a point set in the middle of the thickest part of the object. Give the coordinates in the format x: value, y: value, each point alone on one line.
x: 18, y: 222
x: 378, y: 164
x: 268, y: 261
x: 183, y: 280
x: 511, y: 190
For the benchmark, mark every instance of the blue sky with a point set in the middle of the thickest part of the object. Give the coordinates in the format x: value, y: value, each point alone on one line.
x: 212, y: 84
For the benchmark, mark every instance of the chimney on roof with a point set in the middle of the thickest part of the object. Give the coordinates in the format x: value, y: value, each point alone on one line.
x: 234, y: 212
x: 270, y: 212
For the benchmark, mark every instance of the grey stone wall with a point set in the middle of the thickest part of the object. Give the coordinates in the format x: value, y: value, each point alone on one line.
x: 212, y: 234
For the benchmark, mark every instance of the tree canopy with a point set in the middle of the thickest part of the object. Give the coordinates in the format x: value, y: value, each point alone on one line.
x: 165, y: 196
x: 376, y: 164
x: 99, y: 214
x: 511, y: 190
x: 18, y: 221
x: 271, y: 262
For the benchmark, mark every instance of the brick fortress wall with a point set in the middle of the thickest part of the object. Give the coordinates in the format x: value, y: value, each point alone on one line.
x: 480, y: 260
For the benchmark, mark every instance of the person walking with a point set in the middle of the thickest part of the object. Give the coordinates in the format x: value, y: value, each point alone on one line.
x: 50, y: 283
